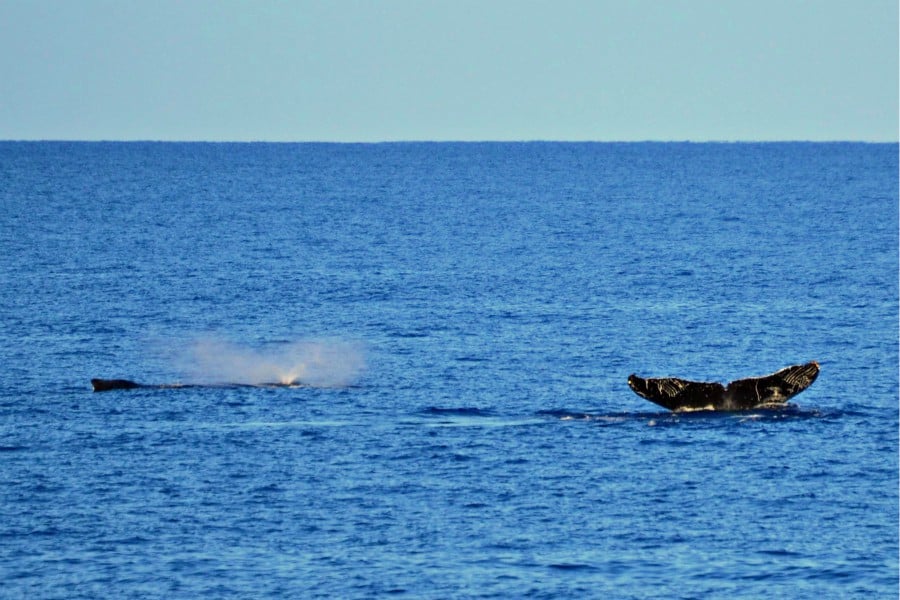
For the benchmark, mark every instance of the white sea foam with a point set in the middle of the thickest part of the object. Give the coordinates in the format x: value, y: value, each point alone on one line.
x: 687, y: 409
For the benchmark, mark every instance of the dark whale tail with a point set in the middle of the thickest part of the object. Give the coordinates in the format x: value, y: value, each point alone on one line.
x: 742, y: 394
x: 104, y: 385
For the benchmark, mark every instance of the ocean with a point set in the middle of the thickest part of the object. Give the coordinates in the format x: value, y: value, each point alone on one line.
x: 457, y: 323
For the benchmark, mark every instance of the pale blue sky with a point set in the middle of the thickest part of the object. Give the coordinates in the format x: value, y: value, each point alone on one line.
x: 453, y: 70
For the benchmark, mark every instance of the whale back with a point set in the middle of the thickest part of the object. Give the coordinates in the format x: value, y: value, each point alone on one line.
x: 104, y: 385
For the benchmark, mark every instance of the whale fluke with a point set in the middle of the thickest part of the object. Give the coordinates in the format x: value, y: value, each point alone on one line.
x: 104, y: 385
x: 742, y: 394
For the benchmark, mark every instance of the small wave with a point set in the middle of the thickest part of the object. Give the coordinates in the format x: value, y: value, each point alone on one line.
x: 309, y: 428
x: 771, y: 413
x: 410, y: 334
x: 780, y: 553
x: 13, y: 448
x: 457, y: 457
x: 470, y: 411
x: 272, y: 488
x: 567, y: 415
x: 470, y: 416
x: 572, y: 567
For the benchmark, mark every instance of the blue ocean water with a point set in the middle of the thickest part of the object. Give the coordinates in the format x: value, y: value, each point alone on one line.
x: 460, y: 321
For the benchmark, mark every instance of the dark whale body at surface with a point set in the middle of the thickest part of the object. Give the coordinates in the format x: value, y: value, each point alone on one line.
x: 768, y: 391
x: 106, y: 385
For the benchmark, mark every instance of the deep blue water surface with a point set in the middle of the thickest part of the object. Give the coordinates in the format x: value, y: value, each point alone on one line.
x: 463, y: 319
